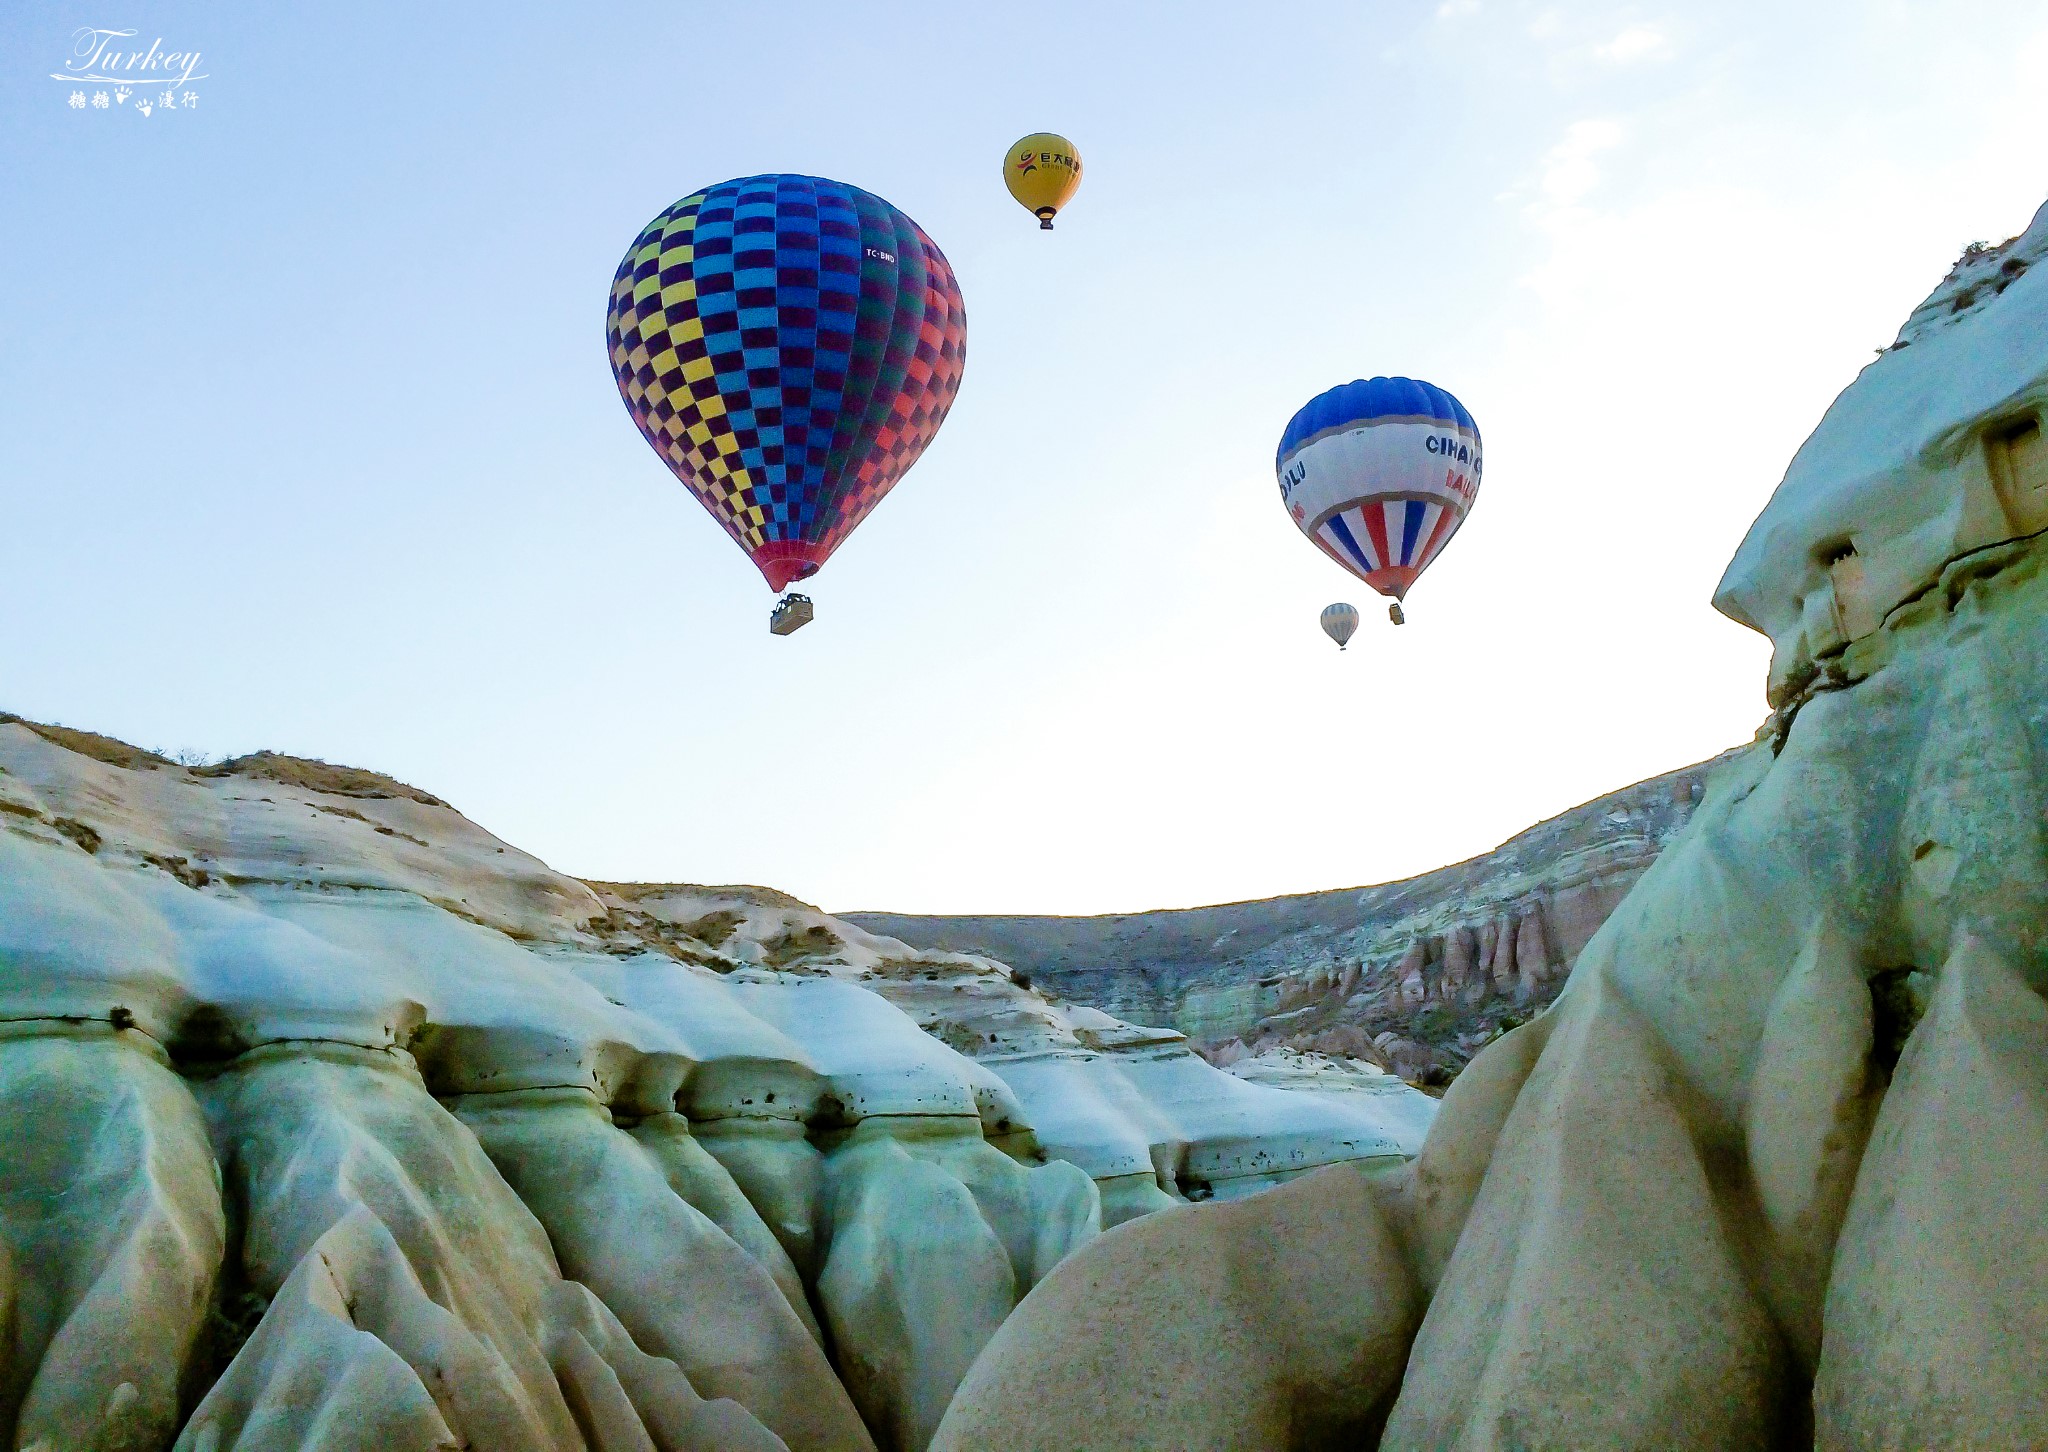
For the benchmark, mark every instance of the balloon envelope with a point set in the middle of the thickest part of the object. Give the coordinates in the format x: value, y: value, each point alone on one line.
x: 1042, y: 171
x: 1380, y: 473
x: 1340, y: 622
x: 789, y: 345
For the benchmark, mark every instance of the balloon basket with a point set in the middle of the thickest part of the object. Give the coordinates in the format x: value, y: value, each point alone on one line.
x: 1394, y: 614
x: 791, y: 614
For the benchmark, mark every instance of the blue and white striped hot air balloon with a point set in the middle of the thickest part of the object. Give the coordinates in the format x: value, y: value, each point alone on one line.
x: 1380, y: 473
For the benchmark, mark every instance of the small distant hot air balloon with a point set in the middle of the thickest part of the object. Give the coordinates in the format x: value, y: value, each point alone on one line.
x: 1340, y: 622
x: 789, y: 345
x: 1042, y: 171
x: 1380, y: 474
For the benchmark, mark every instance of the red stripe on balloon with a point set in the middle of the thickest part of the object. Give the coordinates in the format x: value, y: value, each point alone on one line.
x: 1445, y: 523
x: 1374, y: 513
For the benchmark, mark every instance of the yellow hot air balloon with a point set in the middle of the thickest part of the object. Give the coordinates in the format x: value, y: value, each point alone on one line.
x: 1043, y: 171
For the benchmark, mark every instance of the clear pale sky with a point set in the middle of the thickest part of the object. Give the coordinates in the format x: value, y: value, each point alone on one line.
x: 308, y: 439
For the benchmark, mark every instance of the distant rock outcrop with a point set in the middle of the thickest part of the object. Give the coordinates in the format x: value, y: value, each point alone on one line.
x: 1414, y: 976
x: 1772, y: 1171
x: 335, y: 1121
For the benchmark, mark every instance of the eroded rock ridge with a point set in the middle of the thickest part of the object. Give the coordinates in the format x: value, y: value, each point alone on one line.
x: 335, y: 1121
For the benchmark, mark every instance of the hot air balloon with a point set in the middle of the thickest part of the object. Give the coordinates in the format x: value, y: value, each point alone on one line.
x: 1340, y: 622
x: 1380, y: 473
x: 789, y: 345
x: 1042, y: 171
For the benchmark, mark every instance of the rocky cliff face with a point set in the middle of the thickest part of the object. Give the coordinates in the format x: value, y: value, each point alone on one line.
x: 1772, y: 1171
x: 335, y: 1121
x: 1414, y: 977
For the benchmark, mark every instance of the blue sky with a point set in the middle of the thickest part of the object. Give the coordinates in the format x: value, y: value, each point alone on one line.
x: 308, y: 440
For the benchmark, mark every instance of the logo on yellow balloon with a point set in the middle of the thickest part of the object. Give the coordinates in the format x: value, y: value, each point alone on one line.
x: 1042, y: 174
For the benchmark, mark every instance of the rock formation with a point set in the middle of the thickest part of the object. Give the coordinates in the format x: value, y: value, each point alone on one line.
x: 337, y: 1122
x: 1773, y: 1169
x: 1412, y: 976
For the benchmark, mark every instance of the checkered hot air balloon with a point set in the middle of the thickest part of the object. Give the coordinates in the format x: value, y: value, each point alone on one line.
x: 789, y: 345
x: 1380, y: 474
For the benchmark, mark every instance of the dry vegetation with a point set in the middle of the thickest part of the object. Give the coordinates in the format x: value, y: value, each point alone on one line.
x: 308, y: 772
x: 318, y: 776
x: 92, y: 744
x: 731, y: 892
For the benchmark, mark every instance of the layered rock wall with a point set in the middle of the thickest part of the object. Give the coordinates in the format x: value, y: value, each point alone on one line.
x: 1412, y: 976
